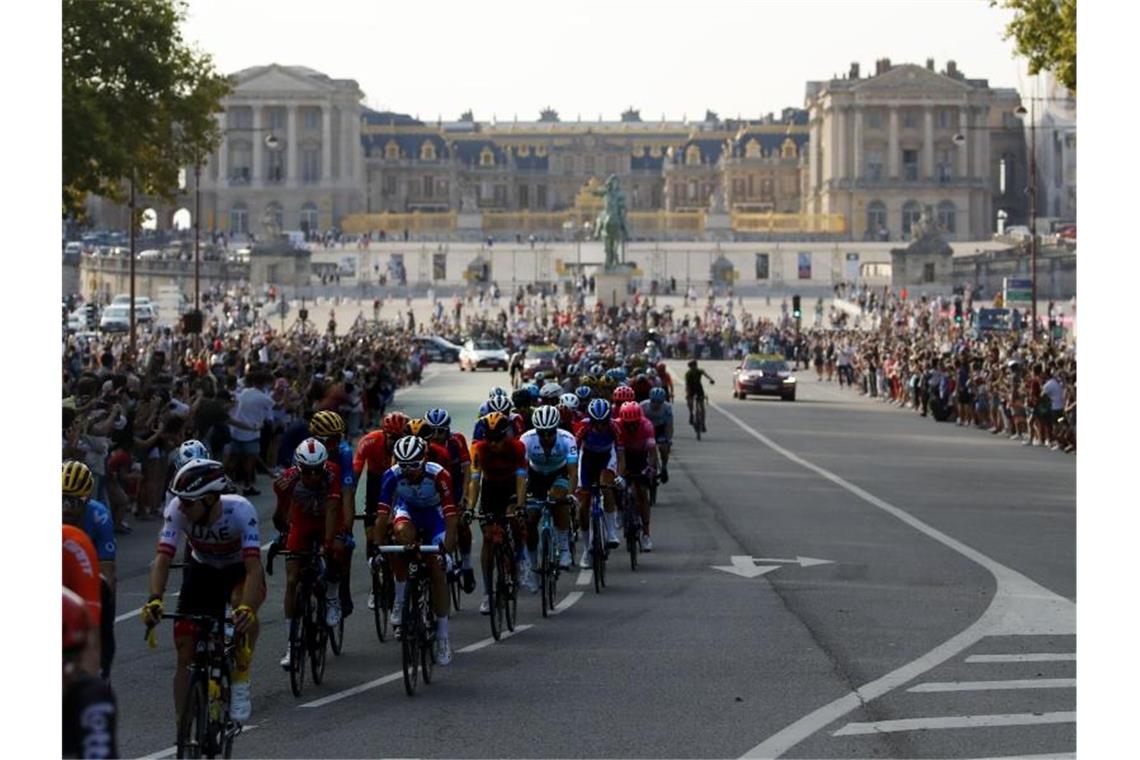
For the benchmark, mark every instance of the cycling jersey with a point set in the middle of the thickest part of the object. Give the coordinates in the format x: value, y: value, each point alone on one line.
x: 460, y: 455
x: 345, y: 459
x: 563, y: 452
x: 499, y: 463
x: 661, y: 417
x: 518, y: 427
x: 431, y: 493
x: 229, y: 540
x: 81, y: 569
x: 89, y: 718
x: 294, y: 497
x: 372, y: 451
x: 100, y: 528
x: 590, y: 438
x: 639, y: 439
x: 693, y: 385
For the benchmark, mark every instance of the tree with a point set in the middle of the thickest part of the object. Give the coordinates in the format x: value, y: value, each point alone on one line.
x: 548, y: 114
x: 138, y: 103
x: 1045, y: 34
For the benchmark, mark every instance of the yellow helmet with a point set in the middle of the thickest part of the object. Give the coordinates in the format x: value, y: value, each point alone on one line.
x: 606, y: 381
x: 418, y: 428
x: 325, y: 424
x: 77, y: 480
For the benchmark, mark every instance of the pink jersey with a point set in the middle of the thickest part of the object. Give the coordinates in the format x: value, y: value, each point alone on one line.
x: 640, y: 438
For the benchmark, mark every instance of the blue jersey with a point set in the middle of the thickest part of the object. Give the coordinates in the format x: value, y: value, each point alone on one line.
x: 100, y: 528
x: 343, y: 458
x: 433, y: 491
x: 562, y: 453
x: 661, y: 415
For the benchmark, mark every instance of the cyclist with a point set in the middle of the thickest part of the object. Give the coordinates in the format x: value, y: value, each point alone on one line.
x: 599, y: 441
x: 666, y: 380
x: 552, y: 470
x: 81, y: 575
x: 456, y: 445
x: 549, y: 394
x: 374, y: 456
x: 498, y: 485
x: 90, y: 715
x: 309, y: 508
x: 329, y: 428
x: 224, y: 566
x: 485, y: 406
x: 94, y: 518
x: 693, y: 387
x: 640, y: 462
x: 568, y: 410
x: 659, y: 412
x: 418, y: 497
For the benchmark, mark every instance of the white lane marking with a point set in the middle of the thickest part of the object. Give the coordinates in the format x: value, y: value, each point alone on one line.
x: 955, y: 721
x: 566, y: 603
x: 1019, y: 607
x: 491, y: 640
x: 585, y: 578
x: 355, y: 690
x: 170, y: 751
x: 1020, y: 683
x: 1035, y: 657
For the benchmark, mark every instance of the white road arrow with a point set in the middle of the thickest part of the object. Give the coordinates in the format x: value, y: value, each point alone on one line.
x: 801, y: 561
x: 743, y: 566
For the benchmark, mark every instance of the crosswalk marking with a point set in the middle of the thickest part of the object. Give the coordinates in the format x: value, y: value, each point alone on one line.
x: 955, y: 721
x: 1023, y: 683
x: 1036, y: 657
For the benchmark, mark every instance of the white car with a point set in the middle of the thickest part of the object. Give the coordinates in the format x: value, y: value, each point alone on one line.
x: 116, y: 318
x: 150, y: 254
x: 482, y: 352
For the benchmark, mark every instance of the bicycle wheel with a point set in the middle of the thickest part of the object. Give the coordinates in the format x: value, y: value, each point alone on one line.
x: 632, y: 539
x: 410, y: 641
x: 508, y: 591
x: 493, y: 600
x: 336, y: 637
x: 544, y: 574
x: 225, y: 729
x: 552, y: 574
x: 317, y: 638
x: 454, y: 578
x: 297, y: 649
x: 380, y: 607
x: 427, y: 651
x: 597, y: 552
x: 193, y: 724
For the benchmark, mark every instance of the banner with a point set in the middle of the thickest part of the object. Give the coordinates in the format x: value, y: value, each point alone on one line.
x: 804, y: 265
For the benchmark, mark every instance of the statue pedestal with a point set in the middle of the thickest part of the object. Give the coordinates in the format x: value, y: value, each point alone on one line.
x: 611, y: 287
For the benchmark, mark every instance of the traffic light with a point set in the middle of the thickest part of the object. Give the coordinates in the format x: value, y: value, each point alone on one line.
x: 796, y: 307
x: 192, y: 323
x: 957, y: 311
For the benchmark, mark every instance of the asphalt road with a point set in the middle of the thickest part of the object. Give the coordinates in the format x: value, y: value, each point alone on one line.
x: 941, y: 624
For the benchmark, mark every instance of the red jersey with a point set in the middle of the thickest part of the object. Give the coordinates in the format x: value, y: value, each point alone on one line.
x: 503, y: 463
x: 294, y: 497
x: 81, y: 569
x: 372, y: 450
x: 440, y: 455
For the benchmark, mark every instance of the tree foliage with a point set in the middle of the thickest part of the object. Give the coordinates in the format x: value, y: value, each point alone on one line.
x: 138, y: 102
x: 1045, y: 34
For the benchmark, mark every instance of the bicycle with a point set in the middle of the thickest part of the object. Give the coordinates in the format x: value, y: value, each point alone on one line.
x: 502, y: 588
x: 548, y: 569
x: 308, y: 633
x: 417, y: 629
x: 598, y: 550
x: 205, y: 728
x: 699, y: 415
x: 631, y: 520
x: 454, y: 578
x: 383, y: 588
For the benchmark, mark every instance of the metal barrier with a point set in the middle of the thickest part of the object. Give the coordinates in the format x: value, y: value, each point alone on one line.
x: 773, y: 222
x: 395, y: 223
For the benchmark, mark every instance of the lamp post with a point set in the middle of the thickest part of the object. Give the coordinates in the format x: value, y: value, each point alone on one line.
x: 1021, y: 112
x: 131, y: 341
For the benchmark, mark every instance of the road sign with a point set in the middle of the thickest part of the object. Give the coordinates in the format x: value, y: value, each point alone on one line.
x: 1017, y: 289
x: 754, y: 567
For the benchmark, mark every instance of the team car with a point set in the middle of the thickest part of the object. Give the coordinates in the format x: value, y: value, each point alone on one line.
x: 764, y: 375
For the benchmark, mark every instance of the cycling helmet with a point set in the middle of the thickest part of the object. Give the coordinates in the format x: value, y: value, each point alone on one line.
x: 77, y: 480
x: 546, y: 418
x: 583, y: 392
x: 572, y: 370
x: 192, y: 449
x: 539, y: 377
x: 199, y: 477
x: 76, y: 622
x: 496, y: 391
x: 439, y: 418
x: 657, y: 394
x: 661, y: 368
x: 520, y: 399
x: 588, y: 381
x: 532, y: 388
x: 597, y: 370
x: 325, y: 424
x: 607, y: 382
x: 630, y: 412
x: 550, y: 392
x: 394, y: 423
x: 310, y: 454
x: 622, y: 394
x: 409, y: 450
x: 417, y: 428
x: 599, y: 410
x: 568, y: 400
x: 650, y: 344
x: 500, y: 404
x: 692, y: 363
x: 650, y: 372
x: 496, y: 424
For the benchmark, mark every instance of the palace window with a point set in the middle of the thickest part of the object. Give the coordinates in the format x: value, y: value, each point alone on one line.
x: 500, y: 195
x: 427, y: 151
x: 945, y: 170
x: 310, y: 165
x: 874, y: 118
x: 611, y: 164
x: 943, y: 115
x: 523, y: 151
x: 911, y: 213
x: 540, y: 196
x: 389, y: 185
x: 429, y: 185
x: 275, y: 215
x: 309, y: 217
x: 392, y: 150
x: 540, y: 150
x: 752, y: 149
x: 788, y: 149
x: 910, y: 165
x: 275, y: 171
x: 486, y: 157
x: 876, y: 217
x: 441, y: 188
x: 524, y: 196
x: 738, y: 189
x: 946, y: 214
x: 241, y: 159
x: 240, y: 117
x: 875, y: 165
x: 909, y: 118
x: 276, y: 119
x: 766, y: 189
x: 692, y: 189
x: 588, y: 163
x: 239, y: 219
x: 311, y: 117
x: 693, y: 155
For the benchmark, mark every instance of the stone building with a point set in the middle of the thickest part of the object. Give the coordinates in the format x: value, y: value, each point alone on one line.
x: 884, y: 146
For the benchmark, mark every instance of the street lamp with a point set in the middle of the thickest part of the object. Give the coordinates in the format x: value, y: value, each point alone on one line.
x: 1022, y: 113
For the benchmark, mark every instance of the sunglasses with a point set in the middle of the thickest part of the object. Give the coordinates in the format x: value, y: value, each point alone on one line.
x: 74, y: 503
x: 414, y: 466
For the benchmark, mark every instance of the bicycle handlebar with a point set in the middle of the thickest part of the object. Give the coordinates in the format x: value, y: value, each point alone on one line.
x: 401, y: 549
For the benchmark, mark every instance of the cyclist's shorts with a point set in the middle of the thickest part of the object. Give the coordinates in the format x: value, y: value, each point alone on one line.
x: 494, y: 496
x: 302, y: 529
x: 206, y: 590
x: 659, y: 435
x: 635, y: 463
x: 591, y: 464
x: 428, y: 521
x: 538, y: 485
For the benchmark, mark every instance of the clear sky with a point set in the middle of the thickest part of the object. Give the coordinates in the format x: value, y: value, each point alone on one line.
x: 506, y: 58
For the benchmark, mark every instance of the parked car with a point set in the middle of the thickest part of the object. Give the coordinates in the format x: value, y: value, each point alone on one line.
x: 482, y: 352
x: 151, y: 254
x: 116, y: 318
x: 764, y: 375
x: 539, y: 358
x: 436, y: 349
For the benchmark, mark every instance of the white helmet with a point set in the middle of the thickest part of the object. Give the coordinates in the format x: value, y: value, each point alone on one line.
x: 409, y: 449
x: 545, y: 418
x: 569, y: 400
x: 550, y: 391
x: 199, y: 477
x: 192, y: 449
x: 311, y: 453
